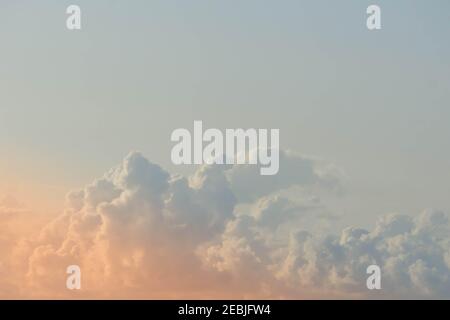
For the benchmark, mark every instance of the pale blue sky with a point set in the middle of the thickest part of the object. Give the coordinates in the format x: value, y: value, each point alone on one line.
x: 72, y: 104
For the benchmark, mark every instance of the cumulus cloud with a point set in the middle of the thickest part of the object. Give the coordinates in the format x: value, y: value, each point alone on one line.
x: 140, y: 232
x: 295, y: 171
x: 412, y: 254
x: 135, y: 228
x: 138, y: 227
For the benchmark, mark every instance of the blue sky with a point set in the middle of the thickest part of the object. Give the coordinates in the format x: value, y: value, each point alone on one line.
x: 373, y: 103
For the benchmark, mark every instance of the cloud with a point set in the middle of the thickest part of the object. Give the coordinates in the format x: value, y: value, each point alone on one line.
x: 140, y: 227
x: 136, y: 227
x: 140, y: 232
x: 412, y: 253
x: 13, y: 216
x: 295, y: 171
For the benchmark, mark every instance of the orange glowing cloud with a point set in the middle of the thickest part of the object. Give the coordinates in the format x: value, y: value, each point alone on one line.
x: 139, y: 232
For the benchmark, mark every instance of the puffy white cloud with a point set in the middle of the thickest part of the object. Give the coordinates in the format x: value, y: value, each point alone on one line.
x: 295, y: 170
x: 225, y: 232
x: 412, y: 254
x: 136, y: 227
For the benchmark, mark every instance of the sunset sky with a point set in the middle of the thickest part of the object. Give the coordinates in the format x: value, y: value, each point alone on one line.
x: 86, y: 176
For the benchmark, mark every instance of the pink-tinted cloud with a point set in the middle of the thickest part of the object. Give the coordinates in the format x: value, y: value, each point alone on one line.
x: 139, y: 232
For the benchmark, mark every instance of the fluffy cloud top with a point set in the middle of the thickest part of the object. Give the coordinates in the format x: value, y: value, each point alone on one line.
x: 139, y: 232
x: 413, y: 255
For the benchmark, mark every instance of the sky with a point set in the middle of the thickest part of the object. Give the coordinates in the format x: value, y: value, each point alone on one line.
x: 371, y: 105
